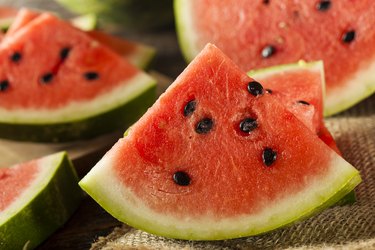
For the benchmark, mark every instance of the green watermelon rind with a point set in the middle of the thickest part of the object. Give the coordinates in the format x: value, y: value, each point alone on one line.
x: 142, y: 57
x: 117, y: 116
x: 48, y: 206
x: 114, y: 198
x: 351, y: 94
x: 185, y: 36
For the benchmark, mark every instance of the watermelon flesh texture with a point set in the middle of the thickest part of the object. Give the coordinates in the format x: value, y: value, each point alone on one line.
x: 72, y: 90
x: 302, y: 92
x: 285, y: 32
x: 138, y: 54
x: 36, y: 198
x: 230, y: 192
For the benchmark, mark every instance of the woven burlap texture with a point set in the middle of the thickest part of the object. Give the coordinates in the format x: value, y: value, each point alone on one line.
x: 339, y: 227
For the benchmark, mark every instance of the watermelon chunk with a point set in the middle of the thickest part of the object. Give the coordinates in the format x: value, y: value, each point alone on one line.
x: 36, y: 198
x: 67, y: 88
x: 257, y: 34
x: 302, y: 92
x: 217, y: 157
x: 138, y: 54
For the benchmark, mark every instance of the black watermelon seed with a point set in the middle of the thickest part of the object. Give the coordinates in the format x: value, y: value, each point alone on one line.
x: 303, y: 102
x: 266, y: 2
x: 4, y: 85
x: 91, y: 76
x: 64, y: 52
x: 268, y: 51
x: 204, y: 126
x: 269, y: 156
x: 47, y: 78
x: 249, y: 124
x: 181, y: 178
x: 348, y: 36
x: 255, y: 88
x: 16, y: 57
x: 190, y: 107
x: 323, y: 5
x: 269, y: 91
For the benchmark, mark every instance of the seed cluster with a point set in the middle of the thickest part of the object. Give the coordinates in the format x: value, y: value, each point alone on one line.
x: 246, y: 126
x: 46, y: 78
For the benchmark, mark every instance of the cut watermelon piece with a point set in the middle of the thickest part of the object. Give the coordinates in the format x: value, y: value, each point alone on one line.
x: 36, y: 198
x: 71, y: 89
x: 300, y: 87
x: 138, y: 54
x: 264, y: 33
x: 302, y: 92
x: 217, y: 157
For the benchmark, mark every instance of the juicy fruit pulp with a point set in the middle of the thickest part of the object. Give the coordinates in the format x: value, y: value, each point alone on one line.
x: 256, y: 34
x: 65, y: 92
x: 36, y: 198
x: 169, y: 179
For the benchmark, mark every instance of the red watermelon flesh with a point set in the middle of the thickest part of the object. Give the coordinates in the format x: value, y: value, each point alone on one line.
x: 23, y: 17
x: 186, y: 170
x: 300, y: 87
x: 138, y: 54
x: 257, y: 34
x: 85, y: 66
x: 13, y: 181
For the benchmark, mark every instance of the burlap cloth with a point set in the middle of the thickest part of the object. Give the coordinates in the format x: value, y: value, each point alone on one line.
x: 339, y: 227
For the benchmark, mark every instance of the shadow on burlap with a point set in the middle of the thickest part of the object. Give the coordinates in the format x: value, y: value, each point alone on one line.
x: 339, y: 227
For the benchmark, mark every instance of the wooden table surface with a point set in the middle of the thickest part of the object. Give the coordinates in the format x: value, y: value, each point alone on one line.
x: 90, y: 221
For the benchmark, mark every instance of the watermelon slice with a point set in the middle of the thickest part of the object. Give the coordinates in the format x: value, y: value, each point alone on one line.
x: 69, y: 90
x: 217, y: 157
x: 257, y: 34
x: 302, y: 92
x: 36, y: 198
x: 138, y: 54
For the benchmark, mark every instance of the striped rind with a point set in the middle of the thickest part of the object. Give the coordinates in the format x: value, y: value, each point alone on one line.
x: 106, y: 188
x: 43, y: 207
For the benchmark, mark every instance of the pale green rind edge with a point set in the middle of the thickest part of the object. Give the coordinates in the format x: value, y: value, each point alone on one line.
x: 90, y: 185
x: 144, y: 55
x: 88, y: 127
x: 182, y: 31
x: 350, y: 102
x: 85, y: 22
x: 47, y: 211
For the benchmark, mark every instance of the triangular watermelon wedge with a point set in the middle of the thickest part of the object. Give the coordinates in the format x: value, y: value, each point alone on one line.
x: 217, y: 157
x: 36, y: 198
x: 64, y: 87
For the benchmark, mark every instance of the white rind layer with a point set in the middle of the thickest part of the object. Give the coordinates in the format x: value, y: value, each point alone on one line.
x: 104, y: 186
x: 123, y: 93
x: 47, y: 167
x: 188, y: 39
x: 356, y: 88
x: 142, y: 56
